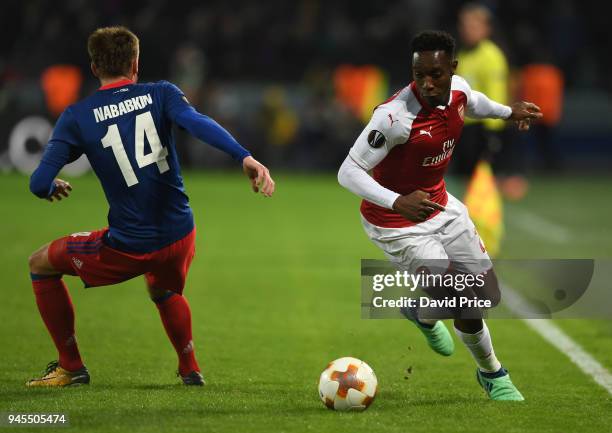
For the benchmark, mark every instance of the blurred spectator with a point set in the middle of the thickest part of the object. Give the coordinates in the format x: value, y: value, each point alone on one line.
x: 226, y: 55
x: 279, y: 122
x: 543, y: 85
x: 188, y: 71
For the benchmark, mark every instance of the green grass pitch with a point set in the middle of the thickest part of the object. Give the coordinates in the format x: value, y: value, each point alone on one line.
x: 274, y: 291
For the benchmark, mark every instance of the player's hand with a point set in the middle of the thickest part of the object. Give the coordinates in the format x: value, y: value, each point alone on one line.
x: 416, y: 206
x: 259, y: 176
x: 523, y: 112
x: 62, y: 189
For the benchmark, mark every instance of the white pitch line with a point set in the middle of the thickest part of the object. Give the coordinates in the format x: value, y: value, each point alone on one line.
x: 589, y: 365
x: 563, y: 342
x: 551, y: 231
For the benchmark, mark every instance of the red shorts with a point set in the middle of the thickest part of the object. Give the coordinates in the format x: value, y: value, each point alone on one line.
x: 85, y: 254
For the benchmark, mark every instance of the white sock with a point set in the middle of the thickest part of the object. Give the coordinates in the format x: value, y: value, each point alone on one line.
x: 481, y: 348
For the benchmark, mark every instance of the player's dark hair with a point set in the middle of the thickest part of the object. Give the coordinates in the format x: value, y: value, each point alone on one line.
x: 434, y: 40
x: 112, y: 50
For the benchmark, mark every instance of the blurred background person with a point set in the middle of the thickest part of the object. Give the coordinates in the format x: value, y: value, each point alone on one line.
x: 483, y: 64
x: 543, y: 82
x: 295, y: 79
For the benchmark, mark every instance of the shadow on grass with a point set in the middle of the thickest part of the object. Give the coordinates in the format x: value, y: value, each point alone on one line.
x: 217, y: 400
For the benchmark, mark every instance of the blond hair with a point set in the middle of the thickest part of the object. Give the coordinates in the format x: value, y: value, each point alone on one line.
x: 112, y: 51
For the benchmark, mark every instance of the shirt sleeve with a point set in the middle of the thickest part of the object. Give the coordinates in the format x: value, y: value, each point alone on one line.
x: 175, y: 101
x: 479, y: 106
x: 61, y: 149
x: 354, y: 178
x: 384, y: 131
x: 181, y: 112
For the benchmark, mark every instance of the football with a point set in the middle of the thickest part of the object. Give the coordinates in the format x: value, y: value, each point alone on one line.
x: 348, y: 384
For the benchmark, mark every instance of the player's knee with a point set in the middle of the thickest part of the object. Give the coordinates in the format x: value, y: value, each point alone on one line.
x: 35, y: 262
x: 468, y: 325
x: 156, y: 294
x: 491, y: 289
x: 495, y: 298
x: 38, y: 262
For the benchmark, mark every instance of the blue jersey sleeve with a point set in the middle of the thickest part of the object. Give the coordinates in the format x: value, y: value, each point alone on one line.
x: 62, y: 149
x: 200, y: 126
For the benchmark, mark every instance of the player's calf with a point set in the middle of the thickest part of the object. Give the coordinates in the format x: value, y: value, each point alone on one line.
x: 477, y: 339
x: 175, y: 314
x: 56, y: 310
x: 473, y: 300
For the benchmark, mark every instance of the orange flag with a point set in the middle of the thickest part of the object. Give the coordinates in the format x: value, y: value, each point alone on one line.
x: 361, y: 88
x: 61, y: 84
x: 484, y: 204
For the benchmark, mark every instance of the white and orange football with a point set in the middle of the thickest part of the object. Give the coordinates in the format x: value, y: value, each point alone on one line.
x: 348, y: 384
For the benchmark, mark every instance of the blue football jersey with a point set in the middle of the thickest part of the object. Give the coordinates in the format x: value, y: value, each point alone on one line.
x: 125, y: 129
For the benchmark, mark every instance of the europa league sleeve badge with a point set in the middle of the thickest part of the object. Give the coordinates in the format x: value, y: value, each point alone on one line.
x: 376, y: 139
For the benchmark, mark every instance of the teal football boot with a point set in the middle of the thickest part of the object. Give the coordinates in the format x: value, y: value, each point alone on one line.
x: 437, y: 335
x: 498, y: 385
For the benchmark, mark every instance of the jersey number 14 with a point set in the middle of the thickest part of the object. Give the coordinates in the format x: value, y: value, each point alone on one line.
x: 144, y: 127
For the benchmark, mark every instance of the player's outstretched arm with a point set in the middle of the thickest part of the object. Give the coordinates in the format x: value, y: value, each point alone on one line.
x: 207, y: 130
x: 259, y: 176
x: 479, y: 106
x: 523, y: 112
